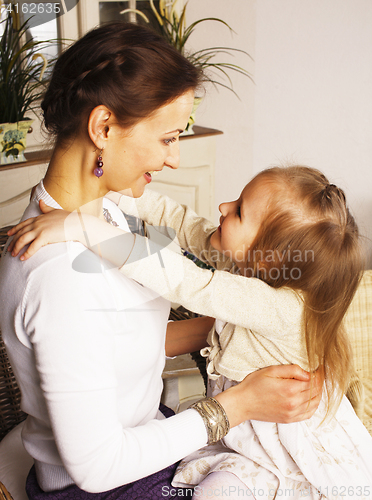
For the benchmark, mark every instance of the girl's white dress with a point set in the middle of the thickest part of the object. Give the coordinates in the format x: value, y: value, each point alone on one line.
x: 307, y: 459
x: 259, y: 326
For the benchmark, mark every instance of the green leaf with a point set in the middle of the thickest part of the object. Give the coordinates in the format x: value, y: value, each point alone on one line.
x: 175, y: 31
x: 19, y: 73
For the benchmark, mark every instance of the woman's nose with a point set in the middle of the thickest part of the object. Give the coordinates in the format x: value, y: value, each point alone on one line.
x: 173, y: 159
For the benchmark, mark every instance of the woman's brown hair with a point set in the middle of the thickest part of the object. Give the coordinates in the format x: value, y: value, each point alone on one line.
x: 309, y: 242
x: 126, y: 67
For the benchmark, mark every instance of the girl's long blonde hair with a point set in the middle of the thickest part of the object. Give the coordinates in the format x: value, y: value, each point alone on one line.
x: 314, y: 248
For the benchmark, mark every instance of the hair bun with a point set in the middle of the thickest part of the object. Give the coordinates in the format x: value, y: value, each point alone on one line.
x: 126, y: 67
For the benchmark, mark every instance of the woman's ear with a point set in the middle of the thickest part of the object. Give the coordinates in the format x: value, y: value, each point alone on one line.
x: 99, y: 125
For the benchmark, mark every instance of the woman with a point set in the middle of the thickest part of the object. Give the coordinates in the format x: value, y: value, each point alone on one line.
x: 88, y: 347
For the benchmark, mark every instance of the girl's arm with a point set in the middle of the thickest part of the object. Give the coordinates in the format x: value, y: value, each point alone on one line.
x: 57, y: 225
x: 193, y: 232
x: 247, y: 302
x: 273, y: 394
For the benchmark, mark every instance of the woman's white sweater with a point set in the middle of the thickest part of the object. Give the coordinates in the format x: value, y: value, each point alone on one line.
x: 87, y: 347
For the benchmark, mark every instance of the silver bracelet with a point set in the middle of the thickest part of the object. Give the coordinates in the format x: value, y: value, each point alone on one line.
x: 214, y: 417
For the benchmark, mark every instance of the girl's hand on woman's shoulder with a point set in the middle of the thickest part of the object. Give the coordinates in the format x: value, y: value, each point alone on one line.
x: 38, y: 231
x: 57, y: 225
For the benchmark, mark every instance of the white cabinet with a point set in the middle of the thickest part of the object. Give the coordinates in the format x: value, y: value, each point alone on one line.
x: 16, y: 182
x: 191, y: 184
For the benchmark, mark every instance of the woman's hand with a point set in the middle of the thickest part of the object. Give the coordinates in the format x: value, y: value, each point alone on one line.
x: 282, y: 394
x: 39, y: 231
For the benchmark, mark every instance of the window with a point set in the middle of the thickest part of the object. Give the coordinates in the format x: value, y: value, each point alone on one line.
x: 112, y: 11
x: 42, y: 18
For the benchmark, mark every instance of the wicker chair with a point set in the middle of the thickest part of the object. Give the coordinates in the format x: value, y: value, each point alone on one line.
x: 358, y: 324
x: 10, y: 396
x: 4, y: 493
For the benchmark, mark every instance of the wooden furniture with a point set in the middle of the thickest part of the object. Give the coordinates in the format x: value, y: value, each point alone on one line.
x: 192, y: 183
x: 16, y: 182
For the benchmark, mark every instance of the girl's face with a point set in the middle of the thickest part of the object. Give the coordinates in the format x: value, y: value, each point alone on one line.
x: 240, y: 221
x: 132, y: 158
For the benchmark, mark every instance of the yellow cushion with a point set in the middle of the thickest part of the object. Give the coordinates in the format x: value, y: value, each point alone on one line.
x: 358, y: 324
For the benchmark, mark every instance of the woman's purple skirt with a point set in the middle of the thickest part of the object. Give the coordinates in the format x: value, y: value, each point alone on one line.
x: 157, y: 485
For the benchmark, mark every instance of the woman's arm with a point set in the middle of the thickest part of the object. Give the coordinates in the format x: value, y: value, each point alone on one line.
x: 273, y: 394
x: 78, y: 332
x: 75, y: 360
x: 187, y: 336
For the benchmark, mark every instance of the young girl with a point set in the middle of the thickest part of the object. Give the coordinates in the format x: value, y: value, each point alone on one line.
x: 291, y: 248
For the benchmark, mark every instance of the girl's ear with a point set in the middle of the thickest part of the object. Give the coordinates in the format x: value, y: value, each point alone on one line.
x: 99, y: 125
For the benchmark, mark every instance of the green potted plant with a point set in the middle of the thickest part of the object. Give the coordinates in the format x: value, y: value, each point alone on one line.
x: 22, y: 68
x: 171, y: 24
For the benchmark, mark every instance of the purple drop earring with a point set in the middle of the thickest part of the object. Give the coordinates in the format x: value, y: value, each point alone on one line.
x: 98, y: 171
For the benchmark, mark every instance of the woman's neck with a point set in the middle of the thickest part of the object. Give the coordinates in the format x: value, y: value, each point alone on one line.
x: 70, y: 180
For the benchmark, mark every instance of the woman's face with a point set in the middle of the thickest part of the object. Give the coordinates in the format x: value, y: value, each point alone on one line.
x: 132, y: 157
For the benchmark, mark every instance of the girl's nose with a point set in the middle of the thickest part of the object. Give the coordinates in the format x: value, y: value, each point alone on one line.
x: 224, y: 208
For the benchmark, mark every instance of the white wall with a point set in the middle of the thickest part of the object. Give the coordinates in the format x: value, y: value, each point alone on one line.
x: 221, y: 109
x: 311, y: 102
x: 313, y: 99
x: 312, y: 96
